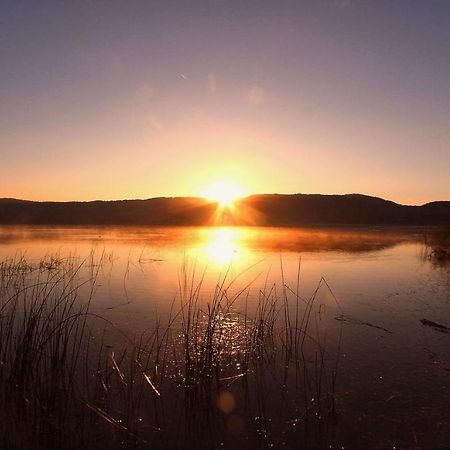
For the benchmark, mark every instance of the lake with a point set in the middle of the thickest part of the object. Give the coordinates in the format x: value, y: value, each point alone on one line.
x: 334, y: 338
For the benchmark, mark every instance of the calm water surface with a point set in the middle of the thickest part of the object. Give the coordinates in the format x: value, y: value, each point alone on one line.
x: 394, y: 375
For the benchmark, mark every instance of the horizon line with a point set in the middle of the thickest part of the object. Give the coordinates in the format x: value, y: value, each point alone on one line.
x: 199, y: 197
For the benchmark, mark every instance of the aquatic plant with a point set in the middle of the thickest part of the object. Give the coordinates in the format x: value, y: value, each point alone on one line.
x: 218, y: 370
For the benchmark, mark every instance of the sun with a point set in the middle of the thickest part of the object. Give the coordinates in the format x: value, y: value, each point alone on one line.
x: 224, y: 192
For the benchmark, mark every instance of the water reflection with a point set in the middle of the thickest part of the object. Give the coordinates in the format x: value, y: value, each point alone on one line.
x: 221, y: 246
x: 382, y: 279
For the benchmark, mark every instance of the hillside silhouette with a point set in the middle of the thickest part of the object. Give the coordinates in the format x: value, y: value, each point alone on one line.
x: 262, y: 210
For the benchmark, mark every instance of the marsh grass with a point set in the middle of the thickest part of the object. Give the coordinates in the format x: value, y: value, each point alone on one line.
x: 241, y: 367
x: 437, y: 246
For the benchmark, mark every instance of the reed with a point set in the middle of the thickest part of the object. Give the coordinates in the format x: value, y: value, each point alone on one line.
x: 437, y: 246
x: 218, y: 370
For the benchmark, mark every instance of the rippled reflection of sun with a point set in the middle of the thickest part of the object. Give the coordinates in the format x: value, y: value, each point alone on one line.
x: 225, y: 192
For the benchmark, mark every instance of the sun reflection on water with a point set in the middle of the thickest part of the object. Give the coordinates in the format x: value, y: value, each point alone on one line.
x: 222, y: 246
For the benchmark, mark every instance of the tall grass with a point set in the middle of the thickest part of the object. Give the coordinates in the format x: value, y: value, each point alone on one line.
x: 437, y: 246
x: 218, y: 371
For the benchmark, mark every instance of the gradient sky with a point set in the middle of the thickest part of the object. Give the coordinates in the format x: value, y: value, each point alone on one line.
x: 136, y: 99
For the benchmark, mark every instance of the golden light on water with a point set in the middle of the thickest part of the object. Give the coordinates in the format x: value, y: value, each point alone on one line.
x: 221, y: 246
x: 224, y: 192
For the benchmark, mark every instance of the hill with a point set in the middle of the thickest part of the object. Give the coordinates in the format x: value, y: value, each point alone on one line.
x: 266, y: 210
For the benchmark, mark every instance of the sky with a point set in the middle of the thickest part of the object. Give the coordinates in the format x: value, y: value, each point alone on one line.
x: 138, y: 99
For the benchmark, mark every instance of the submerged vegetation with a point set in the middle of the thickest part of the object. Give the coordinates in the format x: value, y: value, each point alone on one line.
x: 217, y: 371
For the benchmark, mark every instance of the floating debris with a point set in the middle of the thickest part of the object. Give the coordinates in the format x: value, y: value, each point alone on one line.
x: 435, y: 325
x: 355, y: 321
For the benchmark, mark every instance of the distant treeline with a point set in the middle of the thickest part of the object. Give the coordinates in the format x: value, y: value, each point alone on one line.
x: 265, y: 210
